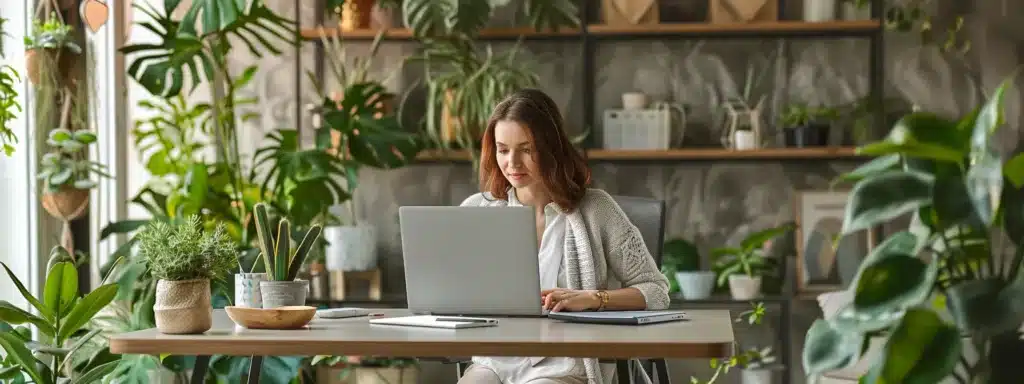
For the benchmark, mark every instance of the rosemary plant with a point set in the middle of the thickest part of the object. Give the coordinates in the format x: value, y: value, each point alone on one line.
x: 186, y: 251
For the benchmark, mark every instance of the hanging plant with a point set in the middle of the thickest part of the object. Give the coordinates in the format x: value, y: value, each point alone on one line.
x: 49, y: 50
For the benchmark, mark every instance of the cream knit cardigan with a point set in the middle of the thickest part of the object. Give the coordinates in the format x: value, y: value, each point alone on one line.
x: 600, y: 238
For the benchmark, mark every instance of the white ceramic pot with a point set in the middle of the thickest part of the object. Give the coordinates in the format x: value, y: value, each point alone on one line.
x: 819, y: 10
x: 756, y: 376
x: 743, y: 140
x: 634, y: 100
x: 696, y: 285
x: 743, y: 287
x: 351, y: 248
x: 247, y: 289
x: 851, y: 12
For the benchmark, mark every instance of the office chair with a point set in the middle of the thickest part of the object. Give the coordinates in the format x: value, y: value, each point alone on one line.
x: 648, y: 215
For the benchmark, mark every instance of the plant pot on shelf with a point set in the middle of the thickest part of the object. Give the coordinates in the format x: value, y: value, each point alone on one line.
x: 34, y: 60
x: 351, y: 248
x: 382, y: 17
x: 743, y: 287
x: 183, y: 307
x: 696, y: 285
x: 819, y: 10
x: 356, y: 14
x: 756, y: 376
x: 807, y: 135
x: 247, y: 290
x: 744, y: 140
x: 278, y: 294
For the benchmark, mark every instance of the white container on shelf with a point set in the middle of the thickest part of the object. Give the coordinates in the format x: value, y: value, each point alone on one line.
x: 644, y: 129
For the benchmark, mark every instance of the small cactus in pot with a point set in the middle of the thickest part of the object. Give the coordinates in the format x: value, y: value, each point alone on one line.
x: 281, y: 289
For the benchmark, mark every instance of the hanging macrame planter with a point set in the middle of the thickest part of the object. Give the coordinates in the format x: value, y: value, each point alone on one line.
x: 66, y: 205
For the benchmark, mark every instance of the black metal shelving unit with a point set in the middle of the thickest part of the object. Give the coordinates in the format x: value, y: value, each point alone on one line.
x: 590, y: 35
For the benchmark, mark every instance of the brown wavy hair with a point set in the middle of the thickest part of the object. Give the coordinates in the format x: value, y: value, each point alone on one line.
x: 564, y: 172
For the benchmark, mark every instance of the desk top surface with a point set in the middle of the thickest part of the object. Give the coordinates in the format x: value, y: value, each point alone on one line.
x: 707, y: 334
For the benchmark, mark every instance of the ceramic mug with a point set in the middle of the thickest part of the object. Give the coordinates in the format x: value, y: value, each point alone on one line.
x: 247, y: 290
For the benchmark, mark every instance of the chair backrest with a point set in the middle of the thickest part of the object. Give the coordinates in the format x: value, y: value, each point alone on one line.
x: 648, y: 215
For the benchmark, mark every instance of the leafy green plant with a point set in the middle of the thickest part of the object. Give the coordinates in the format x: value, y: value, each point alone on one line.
x: 464, y: 19
x: 681, y: 255
x: 186, y: 251
x: 964, y: 244
x: 749, y: 358
x: 52, y: 34
x: 67, y: 164
x: 61, y: 315
x: 749, y: 258
x: 280, y: 263
x: 9, y: 104
x: 798, y: 115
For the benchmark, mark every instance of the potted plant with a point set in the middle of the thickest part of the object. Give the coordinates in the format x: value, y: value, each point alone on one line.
x: 754, y: 358
x: 282, y: 289
x: 185, y: 258
x: 66, y: 173
x: 60, y: 318
x: 964, y: 245
x: 760, y: 367
x: 807, y: 126
x: 49, y: 48
x: 743, y: 267
x: 9, y: 104
x: 683, y: 257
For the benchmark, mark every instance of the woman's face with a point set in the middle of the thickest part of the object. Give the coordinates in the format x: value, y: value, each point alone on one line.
x: 515, y: 154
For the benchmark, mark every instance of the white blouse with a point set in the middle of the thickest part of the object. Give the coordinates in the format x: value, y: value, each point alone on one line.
x: 514, y: 370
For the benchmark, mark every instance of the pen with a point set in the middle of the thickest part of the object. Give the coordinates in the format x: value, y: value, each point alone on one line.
x: 465, y: 320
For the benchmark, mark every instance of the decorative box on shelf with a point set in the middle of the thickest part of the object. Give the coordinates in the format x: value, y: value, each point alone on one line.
x: 649, y: 129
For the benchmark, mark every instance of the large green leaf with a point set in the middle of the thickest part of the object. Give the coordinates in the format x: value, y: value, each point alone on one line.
x: 827, y: 349
x: 1013, y: 169
x: 14, y: 315
x: 61, y: 288
x: 988, y: 306
x: 951, y: 200
x: 551, y: 14
x: 1012, y: 206
x: 377, y: 141
x: 756, y: 240
x: 875, y: 166
x: 886, y: 196
x: 96, y: 374
x: 21, y: 356
x: 894, y: 282
x: 903, y: 243
x: 921, y: 350
x: 923, y: 135
x: 438, y: 18
x: 87, y: 308
x: 43, y: 310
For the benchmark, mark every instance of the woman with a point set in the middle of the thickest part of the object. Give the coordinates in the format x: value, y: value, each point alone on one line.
x: 591, y: 257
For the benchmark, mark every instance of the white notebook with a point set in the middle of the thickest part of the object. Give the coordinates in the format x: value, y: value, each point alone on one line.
x: 430, y: 321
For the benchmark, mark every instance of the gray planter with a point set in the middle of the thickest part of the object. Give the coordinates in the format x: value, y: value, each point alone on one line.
x: 696, y: 285
x: 284, y: 293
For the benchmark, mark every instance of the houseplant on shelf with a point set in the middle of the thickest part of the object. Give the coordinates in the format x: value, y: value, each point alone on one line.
x: 951, y: 284
x: 66, y: 173
x: 743, y: 267
x: 682, y: 257
x: 807, y: 126
x: 185, y: 258
x: 282, y: 266
x: 758, y: 369
x: 60, y: 318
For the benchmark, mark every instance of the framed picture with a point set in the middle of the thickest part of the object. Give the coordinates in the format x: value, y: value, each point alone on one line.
x: 826, y: 261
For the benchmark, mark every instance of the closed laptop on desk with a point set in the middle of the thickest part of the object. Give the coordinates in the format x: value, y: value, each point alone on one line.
x: 620, y: 317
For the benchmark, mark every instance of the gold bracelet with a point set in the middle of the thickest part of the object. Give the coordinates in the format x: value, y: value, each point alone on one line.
x: 603, y: 296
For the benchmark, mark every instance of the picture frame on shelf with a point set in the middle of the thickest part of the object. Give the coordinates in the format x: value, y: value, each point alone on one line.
x: 825, y: 261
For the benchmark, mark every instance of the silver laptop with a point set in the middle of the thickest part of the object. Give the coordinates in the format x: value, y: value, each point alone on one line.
x: 471, y: 260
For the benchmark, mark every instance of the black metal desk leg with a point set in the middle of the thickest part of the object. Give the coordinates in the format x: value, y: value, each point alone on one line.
x: 255, y: 366
x: 199, y: 369
x: 622, y: 371
x: 661, y: 369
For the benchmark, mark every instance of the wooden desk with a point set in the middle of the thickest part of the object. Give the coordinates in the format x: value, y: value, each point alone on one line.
x: 708, y: 334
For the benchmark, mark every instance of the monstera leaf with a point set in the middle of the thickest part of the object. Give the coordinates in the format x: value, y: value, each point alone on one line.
x: 306, y: 180
x: 435, y: 18
x: 197, y: 44
x: 367, y: 136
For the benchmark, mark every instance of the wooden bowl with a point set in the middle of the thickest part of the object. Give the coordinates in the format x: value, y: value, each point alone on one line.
x: 273, y: 318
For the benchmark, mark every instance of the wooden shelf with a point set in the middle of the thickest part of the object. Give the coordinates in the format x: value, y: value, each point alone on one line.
x: 406, y: 34
x: 765, y: 28
x: 820, y: 153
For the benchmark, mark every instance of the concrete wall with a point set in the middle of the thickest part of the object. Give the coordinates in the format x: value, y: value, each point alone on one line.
x: 712, y: 203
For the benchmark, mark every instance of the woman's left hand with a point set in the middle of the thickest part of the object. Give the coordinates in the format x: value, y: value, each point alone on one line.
x: 559, y: 299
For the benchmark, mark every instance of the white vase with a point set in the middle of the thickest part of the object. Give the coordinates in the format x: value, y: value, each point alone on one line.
x: 743, y: 287
x: 743, y: 140
x: 696, y: 285
x: 819, y: 10
x: 351, y: 248
x: 756, y: 376
x: 247, y: 289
